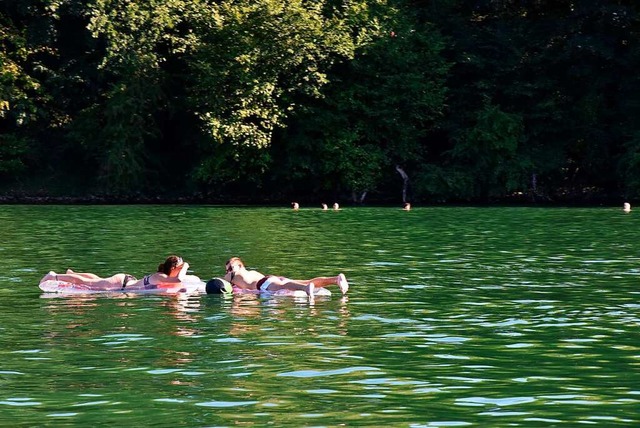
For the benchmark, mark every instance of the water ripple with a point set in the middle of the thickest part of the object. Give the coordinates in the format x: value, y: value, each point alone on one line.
x: 221, y: 404
x: 455, y: 317
x: 317, y: 373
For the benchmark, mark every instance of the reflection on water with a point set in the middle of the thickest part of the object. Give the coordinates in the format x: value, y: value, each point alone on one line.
x: 456, y: 317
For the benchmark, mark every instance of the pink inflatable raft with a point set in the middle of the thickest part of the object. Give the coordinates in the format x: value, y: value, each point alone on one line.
x: 191, y: 285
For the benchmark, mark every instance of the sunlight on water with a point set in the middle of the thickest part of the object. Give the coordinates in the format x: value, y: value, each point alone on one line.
x: 456, y: 317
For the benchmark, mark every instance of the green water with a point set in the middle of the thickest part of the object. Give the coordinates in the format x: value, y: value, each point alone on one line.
x: 456, y: 317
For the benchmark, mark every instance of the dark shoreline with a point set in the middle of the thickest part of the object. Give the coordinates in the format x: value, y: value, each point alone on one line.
x: 203, y: 200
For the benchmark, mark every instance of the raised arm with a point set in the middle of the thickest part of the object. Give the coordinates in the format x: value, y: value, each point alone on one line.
x: 171, y: 280
x: 183, y: 271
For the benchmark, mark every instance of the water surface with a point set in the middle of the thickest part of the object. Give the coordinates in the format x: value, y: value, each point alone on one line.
x: 456, y: 317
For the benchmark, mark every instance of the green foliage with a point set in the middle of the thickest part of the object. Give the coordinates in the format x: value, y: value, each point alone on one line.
x: 560, y: 66
x: 355, y: 167
x: 15, y: 107
x: 140, y: 36
x: 226, y: 167
x: 471, y: 99
x: 17, y: 87
x: 140, y: 39
x: 489, y: 155
x: 253, y: 57
x: 628, y: 167
x: 12, y: 152
x: 117, y: 147
x: 377, y: 108
x: 26, y: 105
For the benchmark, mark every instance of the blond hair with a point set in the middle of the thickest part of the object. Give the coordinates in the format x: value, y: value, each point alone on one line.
x: 235, y: 259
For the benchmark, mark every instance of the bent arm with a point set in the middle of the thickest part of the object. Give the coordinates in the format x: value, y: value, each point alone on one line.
x: 183, y: 271
x: 171, y: 281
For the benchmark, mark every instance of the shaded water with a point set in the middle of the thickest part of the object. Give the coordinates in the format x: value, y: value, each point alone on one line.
x: 456, y: 317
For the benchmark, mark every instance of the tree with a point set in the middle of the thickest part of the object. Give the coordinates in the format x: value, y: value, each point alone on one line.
x: 376, y: 109
x: 142, y: 41
x: 253, y: 60
x: 489, y: 158
x: 25, y: 105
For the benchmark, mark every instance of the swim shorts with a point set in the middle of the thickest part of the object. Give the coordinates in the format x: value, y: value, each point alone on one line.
x: 265, y: 282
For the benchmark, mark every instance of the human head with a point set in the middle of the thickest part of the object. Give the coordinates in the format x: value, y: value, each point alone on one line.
x: 233, y: 261
x: 171, y: 263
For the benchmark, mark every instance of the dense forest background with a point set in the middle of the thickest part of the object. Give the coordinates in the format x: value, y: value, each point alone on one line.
x: 356, y: 101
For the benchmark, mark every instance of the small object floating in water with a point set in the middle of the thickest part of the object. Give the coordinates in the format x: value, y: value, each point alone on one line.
x: 626, y: 207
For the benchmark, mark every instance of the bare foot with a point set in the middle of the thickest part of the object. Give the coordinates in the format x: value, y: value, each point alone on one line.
x: 69, y: 271
x: 343, y: 284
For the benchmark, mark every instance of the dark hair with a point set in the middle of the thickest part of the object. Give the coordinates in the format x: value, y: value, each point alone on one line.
x: 170, y: 264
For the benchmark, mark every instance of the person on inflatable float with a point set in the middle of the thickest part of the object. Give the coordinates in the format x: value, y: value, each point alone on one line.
x: 238, y: 275
x: 170, y: 275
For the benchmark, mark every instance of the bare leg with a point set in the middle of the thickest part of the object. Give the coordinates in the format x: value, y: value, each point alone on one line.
x: 325, y: 281
x: 278, y: 284
x: 95, y: 283
x: 72, y: 277
x: 83, y: 274
x: 321, y: 281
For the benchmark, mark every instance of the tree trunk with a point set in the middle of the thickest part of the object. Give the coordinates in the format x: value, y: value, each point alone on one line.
x: 360, y: 199
x: 405, y: 182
